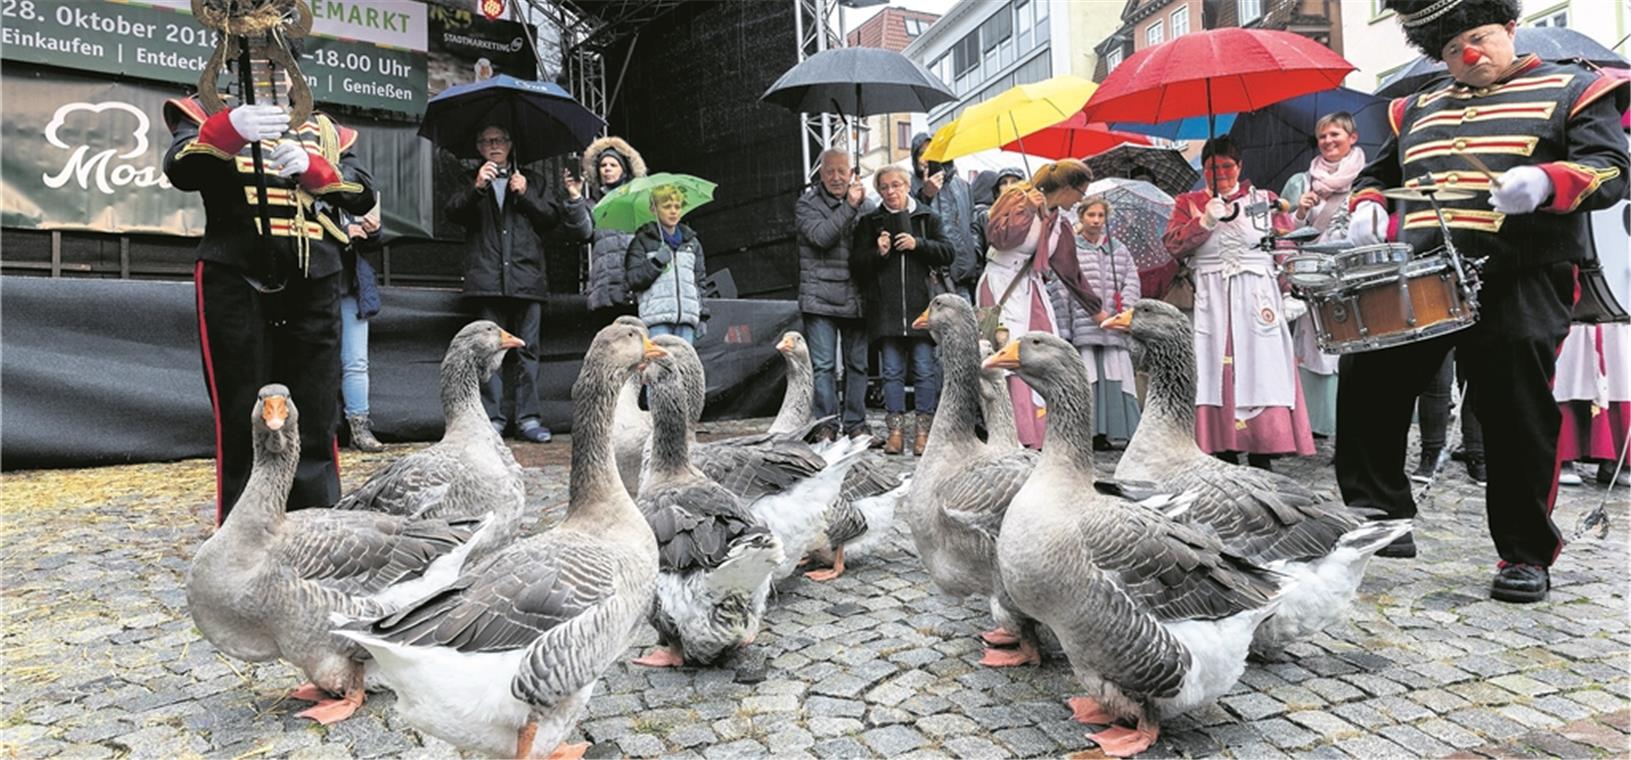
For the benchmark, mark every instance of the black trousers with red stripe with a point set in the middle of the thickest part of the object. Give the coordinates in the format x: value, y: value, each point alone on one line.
x: 242, y: 351
x: 1509, y: 357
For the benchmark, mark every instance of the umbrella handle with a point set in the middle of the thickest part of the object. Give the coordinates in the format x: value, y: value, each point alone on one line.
x: 1234, y: 211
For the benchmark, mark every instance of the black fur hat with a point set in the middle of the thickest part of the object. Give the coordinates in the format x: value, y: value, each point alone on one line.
x: 1430, y: 24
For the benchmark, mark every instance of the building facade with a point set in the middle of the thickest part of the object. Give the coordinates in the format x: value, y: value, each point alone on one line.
x: 1147, y: 23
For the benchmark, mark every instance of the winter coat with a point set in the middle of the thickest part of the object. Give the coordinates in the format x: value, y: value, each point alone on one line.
x: 954, y: 204
x: 825, y: 225
x: 895, y: 288
x: 1105, y: 269
x: 666, y: 283
x: 984, y: 191
x: 608, y: 247
x: 360, y: 281
x: 504, y: 247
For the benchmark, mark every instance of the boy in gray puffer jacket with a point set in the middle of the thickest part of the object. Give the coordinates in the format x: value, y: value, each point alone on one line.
x: 664, y: 269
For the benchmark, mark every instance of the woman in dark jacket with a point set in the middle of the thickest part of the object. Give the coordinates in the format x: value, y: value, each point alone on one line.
x: 892, y: 256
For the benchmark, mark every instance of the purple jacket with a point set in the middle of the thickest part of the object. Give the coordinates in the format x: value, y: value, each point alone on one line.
x: 1111, y: 271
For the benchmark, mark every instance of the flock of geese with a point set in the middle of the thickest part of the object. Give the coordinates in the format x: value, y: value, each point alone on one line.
x: 1157, y: 584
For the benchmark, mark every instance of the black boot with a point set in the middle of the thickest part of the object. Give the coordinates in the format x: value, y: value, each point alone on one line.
x: 1521, y: 584
x: 1476, y: 469
x: 362, y: 434
x: 1261, y: 461
x: 1424, y: 469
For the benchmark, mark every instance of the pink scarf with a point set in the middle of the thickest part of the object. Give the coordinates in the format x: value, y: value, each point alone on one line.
x: 1327, y: 179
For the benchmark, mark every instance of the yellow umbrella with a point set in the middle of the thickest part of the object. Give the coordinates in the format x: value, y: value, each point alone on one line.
x: 1019, y: 111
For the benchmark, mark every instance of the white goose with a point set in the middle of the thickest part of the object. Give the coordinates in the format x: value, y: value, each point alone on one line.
x: 631, y: 425
x: 263, y: 585
x: 1264, y: 516
x: 714, y: 556
x: 1154, y: 615
x: 503, y: 661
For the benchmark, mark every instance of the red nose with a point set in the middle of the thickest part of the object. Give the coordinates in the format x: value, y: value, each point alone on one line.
x: 1470, y: 56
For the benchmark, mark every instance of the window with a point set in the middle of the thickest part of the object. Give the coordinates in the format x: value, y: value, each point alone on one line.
x: 965, y: 54
x: 903, y: 134
x: 1152, y: 35
x: 1112, y: 60
x: 1558, y: 17
x: 1041, y: 21
x: 996, y: 29
x: 1024, y: 21
x: 1249, y: 10
x: 1180, y: 22
x: 915, y: 27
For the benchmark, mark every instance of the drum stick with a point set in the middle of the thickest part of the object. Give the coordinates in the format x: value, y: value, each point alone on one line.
x: 1482, y: 168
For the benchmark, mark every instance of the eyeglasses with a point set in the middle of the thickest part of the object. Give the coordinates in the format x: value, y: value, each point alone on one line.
x: 486, y: 141
x: 893, y: 186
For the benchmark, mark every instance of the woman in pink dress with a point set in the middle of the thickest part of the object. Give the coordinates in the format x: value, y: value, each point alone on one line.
x: 1030, y: 236
x: 1592, y: 386
x: 1248, y: 397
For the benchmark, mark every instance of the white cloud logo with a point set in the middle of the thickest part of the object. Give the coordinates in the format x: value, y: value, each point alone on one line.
x: 86, y: 168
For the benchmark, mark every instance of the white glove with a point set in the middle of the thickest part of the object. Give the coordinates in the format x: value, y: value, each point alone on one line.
x: 1294, y: 308
x: 289, y: 159
x: 1522, y: 190
x: 1215, y: 210
x: 259, y: 122
x: 1368, y: 224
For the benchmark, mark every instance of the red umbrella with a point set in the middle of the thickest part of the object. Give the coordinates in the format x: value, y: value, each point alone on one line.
x: 1215, y: 71
x: 1074, y: 138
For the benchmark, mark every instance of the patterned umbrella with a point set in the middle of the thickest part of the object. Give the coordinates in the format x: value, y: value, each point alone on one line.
x: 1139, y: 212
x: 1166, y: 168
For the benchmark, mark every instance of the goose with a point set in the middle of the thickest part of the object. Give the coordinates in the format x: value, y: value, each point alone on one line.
x: 784, y: 481
x: 503, y: 661
x: 714, y: 556
x: 631, y: 424
x: 962, y: 485
x: 1153, y: 614
x: 996, y: 404
x: 262, y: 586
x: 858, y: 518
x: 469, y: 472
x: 1265, y: 516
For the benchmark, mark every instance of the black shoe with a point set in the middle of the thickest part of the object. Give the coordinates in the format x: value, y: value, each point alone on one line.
x: 1458, y: 454
x: 1403, y: 547
x: 1101, y: 443
x: 1521, y: 584
x: 1261, y: 461
x: 1231, y: 457
x: 1424, y: 469
x: 1477, y: 471
x: 536, y: 434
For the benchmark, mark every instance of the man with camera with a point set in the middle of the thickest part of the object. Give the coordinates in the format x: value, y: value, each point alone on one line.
x: 505, y: 215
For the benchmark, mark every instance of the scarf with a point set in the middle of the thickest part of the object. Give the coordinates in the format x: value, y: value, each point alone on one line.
x: 1327, y: 179
x: 673, y: 240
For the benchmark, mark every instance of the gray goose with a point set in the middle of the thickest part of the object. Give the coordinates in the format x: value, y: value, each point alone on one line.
x: 866, y: 504
x: 714, y: 556
x: 1267, y: 517
x: 503, y: 661
x: 996, y: 405
x: 1154, y: 615
x: 263, y: 585
x: 469, y: 473
x: 963, y: 485
x: 631, y: 424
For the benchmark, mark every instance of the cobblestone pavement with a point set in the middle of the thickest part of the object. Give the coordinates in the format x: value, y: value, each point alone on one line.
x: 101, y: 659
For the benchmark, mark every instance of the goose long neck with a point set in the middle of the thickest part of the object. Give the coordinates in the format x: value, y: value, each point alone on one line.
x: 795, y: 411
x: 594, y: 475
x: 1069, y: 444
x: 998, y: 409
x: 1170, y: 401
x: 461, y: 380
x: 261, y: 506
x: 959, y: 409
x: 670, y: 432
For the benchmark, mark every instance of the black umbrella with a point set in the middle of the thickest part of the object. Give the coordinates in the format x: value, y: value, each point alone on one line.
x: 858, y: 81
x: 542, y: 118
x: 1166, y: 168
x: 1278, y: 141
x: 1551, y: 43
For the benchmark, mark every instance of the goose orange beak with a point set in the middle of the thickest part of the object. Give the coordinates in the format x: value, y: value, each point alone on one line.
x: 1007, y: 358
x: 1122, y: 321
x: 922, y: 321
x: 785, y: 344
x: 274, y: 412
x: 652, y: 350
x: 507, y: 341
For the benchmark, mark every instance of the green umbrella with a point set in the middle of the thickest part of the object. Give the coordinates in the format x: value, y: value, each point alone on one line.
x: 629, y: 206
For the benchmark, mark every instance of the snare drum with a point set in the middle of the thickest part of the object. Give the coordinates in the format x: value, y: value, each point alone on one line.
x: 1310, y: 272
x: 1374, y: 307
x: 1372, y: 259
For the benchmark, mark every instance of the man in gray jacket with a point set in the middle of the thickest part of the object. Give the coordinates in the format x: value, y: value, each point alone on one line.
x: 825, y: 217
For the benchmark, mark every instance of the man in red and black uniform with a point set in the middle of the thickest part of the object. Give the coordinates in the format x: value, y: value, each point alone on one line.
x: 1550, y: 133
x: 268, y: 300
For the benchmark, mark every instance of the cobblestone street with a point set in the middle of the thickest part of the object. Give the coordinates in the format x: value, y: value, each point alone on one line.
x: 102, y: 660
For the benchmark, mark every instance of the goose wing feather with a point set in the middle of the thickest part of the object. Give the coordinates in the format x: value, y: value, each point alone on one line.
x: 977, y: 497
x: 407, y: 486
x: 753, y: 472
x: 866, y: 479
x: 696, y: 524
x: 1258, y: 518
x: 363, y: 552
x: 1176, y: 571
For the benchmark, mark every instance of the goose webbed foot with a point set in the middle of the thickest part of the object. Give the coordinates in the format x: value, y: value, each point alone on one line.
x: 331, y: 711
x: 822, y: 576
x: 569, y: 751
x: 1000, y: 637
x: 661, y: 657
x: 308, y: 692
x: 523, y: 739
x: 1120, y: 741
x: 1025, y: 654
x: 1088, y: 710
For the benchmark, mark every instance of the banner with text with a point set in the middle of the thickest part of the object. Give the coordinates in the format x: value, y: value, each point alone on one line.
x: 370, y: 55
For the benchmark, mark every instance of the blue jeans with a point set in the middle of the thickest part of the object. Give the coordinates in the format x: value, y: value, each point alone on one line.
x: 823, y: 333
x: 687, y: 333
x: 353, y: 358
x: 519, y: 317
x: 925, y: 374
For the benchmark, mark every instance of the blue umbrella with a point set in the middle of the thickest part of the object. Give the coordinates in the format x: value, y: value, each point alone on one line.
x: 1277, y: 141
x: 542, y: 118
x: 1192, y: 128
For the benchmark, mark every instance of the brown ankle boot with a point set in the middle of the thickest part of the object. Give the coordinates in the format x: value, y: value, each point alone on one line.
x: 924, y: 422
x: 362, y: 434
x: 897, y: 433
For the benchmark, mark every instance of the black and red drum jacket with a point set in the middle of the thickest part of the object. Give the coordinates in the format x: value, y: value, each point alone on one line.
x: 1562, y: 118
x: 208, y: 156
